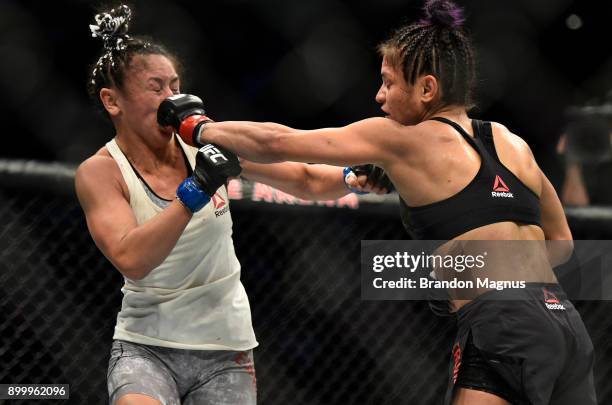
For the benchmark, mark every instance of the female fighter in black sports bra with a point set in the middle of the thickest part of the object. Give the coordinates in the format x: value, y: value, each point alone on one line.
x: 459, y: 179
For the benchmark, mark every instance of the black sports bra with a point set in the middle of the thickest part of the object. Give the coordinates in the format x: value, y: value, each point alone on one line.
x: 494, y: 195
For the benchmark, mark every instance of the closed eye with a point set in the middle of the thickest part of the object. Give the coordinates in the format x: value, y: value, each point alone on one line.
x: 385, y: 80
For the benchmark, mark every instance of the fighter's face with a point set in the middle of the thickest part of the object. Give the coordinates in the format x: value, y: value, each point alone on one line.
x: 399, y: 100
x: 148, y: 81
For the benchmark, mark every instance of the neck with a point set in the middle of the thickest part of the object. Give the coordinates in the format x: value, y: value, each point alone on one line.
x: 452, y: 112
x: 146, y: 156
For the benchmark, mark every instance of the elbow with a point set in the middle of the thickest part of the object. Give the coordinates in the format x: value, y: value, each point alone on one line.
x: 565, y: 251
x: 560, y: 248
x: 566, y: 247
x: 312, y: 187
x: 134, y: 274
x: 562, y: 235
x: 558, y: 232
x: 569, y: 248
x: 307, y: 192
x: 130, y: 267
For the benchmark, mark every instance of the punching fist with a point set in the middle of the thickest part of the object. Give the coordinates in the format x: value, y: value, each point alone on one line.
x: 214, y: 166
x: 358, y: 177
x: 185, y: 113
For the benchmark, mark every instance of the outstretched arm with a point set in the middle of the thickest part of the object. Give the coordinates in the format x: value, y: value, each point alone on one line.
x: 373, y: 140
x: 309, y: 182
x: 376, y: 141
x: 367, y: 141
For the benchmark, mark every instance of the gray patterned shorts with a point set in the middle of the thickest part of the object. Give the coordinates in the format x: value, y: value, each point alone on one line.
x: 176, y: 376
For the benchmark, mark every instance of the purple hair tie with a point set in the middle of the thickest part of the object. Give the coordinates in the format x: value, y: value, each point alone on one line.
x: 443, y: 13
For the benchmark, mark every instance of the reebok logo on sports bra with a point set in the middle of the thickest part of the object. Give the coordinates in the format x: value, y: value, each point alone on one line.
x: 472, y: 207
x: 500, y: 189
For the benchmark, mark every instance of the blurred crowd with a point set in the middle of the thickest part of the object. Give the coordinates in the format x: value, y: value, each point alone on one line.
x: 585, y: 147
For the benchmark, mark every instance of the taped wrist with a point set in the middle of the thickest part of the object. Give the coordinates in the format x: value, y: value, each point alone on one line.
x: 191, y: 195
x: 190, y: 128
x: 349, y: 172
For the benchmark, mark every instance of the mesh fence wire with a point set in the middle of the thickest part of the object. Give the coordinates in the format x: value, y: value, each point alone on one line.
x: 319, y: 342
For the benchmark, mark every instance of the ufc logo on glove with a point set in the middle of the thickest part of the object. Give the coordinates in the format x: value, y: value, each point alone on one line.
x: 213, y: 153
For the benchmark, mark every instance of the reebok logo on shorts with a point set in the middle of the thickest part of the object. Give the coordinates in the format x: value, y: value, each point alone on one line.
x: 551, y: 301
x: 456, y: 361
x: 500, y: 189
x: 220, y: 205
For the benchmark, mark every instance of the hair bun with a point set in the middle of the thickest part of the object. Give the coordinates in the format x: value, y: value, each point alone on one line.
x: 443, y: 13
x: 112, y: 27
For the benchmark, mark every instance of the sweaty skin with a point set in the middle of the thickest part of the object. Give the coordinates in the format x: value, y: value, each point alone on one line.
x: 427, y: 161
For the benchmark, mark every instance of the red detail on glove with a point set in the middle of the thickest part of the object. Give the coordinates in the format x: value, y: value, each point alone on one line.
x: 188, y: 125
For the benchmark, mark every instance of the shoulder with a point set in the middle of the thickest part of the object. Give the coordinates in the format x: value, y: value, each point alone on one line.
x: 98, y: 165
x: 376, y: 125
x: 386, y: 130
x: 511, y: 140
x: 516, y: 154
x: 100, y: 173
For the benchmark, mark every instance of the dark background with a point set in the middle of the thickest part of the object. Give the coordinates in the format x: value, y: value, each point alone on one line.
x: 306, y: 64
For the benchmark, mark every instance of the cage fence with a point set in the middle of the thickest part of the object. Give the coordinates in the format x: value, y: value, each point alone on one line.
x: 319, y: 343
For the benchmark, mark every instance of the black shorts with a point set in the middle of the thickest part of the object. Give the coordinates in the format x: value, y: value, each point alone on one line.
x: 528, y: 346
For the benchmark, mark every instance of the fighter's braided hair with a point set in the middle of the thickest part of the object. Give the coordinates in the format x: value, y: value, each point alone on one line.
x: 119, y: 50
x: 436, y: 45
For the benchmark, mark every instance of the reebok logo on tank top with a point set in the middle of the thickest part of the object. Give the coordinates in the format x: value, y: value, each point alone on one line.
x: 500, y: 189
x: 219, y: 204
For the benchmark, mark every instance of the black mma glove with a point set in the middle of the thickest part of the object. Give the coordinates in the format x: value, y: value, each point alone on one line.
x: 376, y: 176
x: 185, y: 113
x: 214, y: 166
